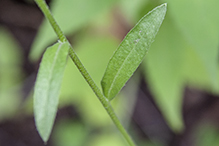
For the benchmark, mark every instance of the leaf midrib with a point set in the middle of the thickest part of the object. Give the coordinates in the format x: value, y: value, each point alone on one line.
x: 51, y: 72
x: 133, y: 49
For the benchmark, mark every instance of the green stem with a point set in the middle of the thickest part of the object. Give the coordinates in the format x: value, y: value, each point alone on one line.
x: 105, y: 102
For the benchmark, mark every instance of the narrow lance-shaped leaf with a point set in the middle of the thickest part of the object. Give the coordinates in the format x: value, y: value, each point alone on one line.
x: 131, y: 52
x: 47, y: 87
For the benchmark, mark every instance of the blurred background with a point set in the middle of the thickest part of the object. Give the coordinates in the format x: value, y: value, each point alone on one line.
x: 171, y: 100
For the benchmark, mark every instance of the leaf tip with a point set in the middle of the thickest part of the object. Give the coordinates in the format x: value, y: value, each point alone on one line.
x: 45, y: 140
x: 43, y: 132
x: 164, y: 6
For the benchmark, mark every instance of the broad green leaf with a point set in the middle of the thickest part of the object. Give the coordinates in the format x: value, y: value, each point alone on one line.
x: 47, y: 87
x: 192, y: 64
x: 164, y: 72
x: 131, y: 52
x: 71, y: 15
x: 199, y: 21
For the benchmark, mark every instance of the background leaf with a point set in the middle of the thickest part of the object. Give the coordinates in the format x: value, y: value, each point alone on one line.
x: 164, y: 72
x: 71, y: 16
x: 131, y: 52
x: 198, y: 22
x: 75, y: 90
x: 10, y: 75
x: 47, y: 87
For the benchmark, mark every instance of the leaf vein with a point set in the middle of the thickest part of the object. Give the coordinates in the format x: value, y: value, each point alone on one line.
x: 133, y: 49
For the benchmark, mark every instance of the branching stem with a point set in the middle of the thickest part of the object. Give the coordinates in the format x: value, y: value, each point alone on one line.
x: 105, y: 102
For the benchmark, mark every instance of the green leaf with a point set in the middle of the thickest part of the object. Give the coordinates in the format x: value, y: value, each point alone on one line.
x: 199, y: 21
x: 10, y: 75
x: 131, y: 52
x: 71, y: 16
x: 164, y: 72
x: 47, y: 87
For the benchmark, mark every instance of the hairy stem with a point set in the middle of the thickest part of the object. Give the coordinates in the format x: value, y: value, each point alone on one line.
x: 105, y: 102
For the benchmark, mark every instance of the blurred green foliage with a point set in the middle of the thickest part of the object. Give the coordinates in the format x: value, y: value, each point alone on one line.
x: 185, y: 53
x: 10, y: 75
x: 207, y: 135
